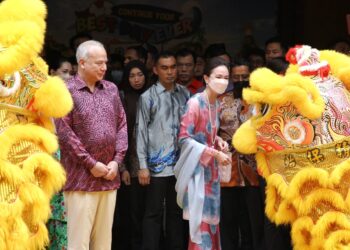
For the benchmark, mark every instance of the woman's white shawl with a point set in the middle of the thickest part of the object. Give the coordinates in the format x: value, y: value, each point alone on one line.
x: 193, y: 181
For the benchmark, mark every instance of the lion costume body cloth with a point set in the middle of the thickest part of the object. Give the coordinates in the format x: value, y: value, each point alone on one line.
x: 300, y: 134
x: 29, y: 99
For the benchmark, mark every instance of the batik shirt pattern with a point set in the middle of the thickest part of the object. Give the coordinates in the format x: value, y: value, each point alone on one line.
x: 196, y: 125
x: 157, y: 127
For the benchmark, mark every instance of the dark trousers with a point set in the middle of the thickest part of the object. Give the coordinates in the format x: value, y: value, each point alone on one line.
x: 235, y: 228
x: 277, y: 237
x: 121, y: 222
x: 137, y: 209
x: 256, y: 211
x: 127, y: 226
x: 242, y: 219
x: 160, y: 189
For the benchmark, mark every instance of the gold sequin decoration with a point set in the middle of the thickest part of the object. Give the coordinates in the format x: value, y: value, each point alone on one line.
x: 289, y: 162
x: 21, y: 150
x: 8, y: 192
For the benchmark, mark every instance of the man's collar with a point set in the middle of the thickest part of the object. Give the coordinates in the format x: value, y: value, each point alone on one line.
x: 80, y: 83
x: 160, y: 88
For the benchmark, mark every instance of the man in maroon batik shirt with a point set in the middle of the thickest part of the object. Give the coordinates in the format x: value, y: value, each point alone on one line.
x: 93, y: 141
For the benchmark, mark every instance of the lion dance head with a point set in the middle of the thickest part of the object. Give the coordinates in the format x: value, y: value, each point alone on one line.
x: 300, y: 133
x: 29, y: 99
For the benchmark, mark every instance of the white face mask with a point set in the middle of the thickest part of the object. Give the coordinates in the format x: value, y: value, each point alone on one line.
x: 218, y: 85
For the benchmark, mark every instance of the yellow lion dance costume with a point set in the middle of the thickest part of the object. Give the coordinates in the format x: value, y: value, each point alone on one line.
x: 29, y: 98
x: 300, y: 133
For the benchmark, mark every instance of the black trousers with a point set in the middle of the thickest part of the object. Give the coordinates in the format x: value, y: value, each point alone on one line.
x: 121, y: 222
x: 242, y: 219
x: 137, y: 210
x: 162, y: 189
x: 256, y: 213
x: 130, y: 209
x: 235, y: 229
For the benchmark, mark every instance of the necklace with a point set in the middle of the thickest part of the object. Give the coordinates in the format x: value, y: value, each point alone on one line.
x: 210, y: 120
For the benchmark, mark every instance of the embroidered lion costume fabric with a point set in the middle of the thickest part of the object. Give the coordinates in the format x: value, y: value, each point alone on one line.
x: 300, y: 133
x: 29, y: 99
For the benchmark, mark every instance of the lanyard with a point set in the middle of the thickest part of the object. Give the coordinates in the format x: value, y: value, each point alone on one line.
x: 210, y: 120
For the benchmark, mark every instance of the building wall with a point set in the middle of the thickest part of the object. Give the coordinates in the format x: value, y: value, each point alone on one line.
x: 314, y: 22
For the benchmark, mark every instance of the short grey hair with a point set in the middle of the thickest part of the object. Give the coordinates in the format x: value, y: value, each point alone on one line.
x: 83, y: 49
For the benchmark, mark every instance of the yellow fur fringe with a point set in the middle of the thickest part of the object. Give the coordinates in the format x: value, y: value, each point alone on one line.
x: 294, y: 88
x: 262, y: 166
x: 338, y: 240
x: 33, y: 133
x: 28, y: 42
x: 44, y: 169
x: 24, y: 10
x: 22, y: 29
x: 301, y: 233
x: 305, y: 182
x: 53, y: 107
x: 244, y: 140
x: 32, y: 206
x: 278, y: 209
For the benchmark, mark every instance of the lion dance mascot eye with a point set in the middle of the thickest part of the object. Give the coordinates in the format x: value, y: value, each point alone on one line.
x: 300, y: 133
x: 29, y: 99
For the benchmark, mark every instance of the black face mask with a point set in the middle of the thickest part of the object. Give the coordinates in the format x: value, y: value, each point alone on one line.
x: 238, y: 88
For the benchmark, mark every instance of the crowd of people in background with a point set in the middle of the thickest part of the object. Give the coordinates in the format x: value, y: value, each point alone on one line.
x: 152, y: 125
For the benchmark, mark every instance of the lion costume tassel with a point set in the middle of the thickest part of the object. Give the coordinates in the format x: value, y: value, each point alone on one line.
x: 29, y: 99
x: 300, y: 134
